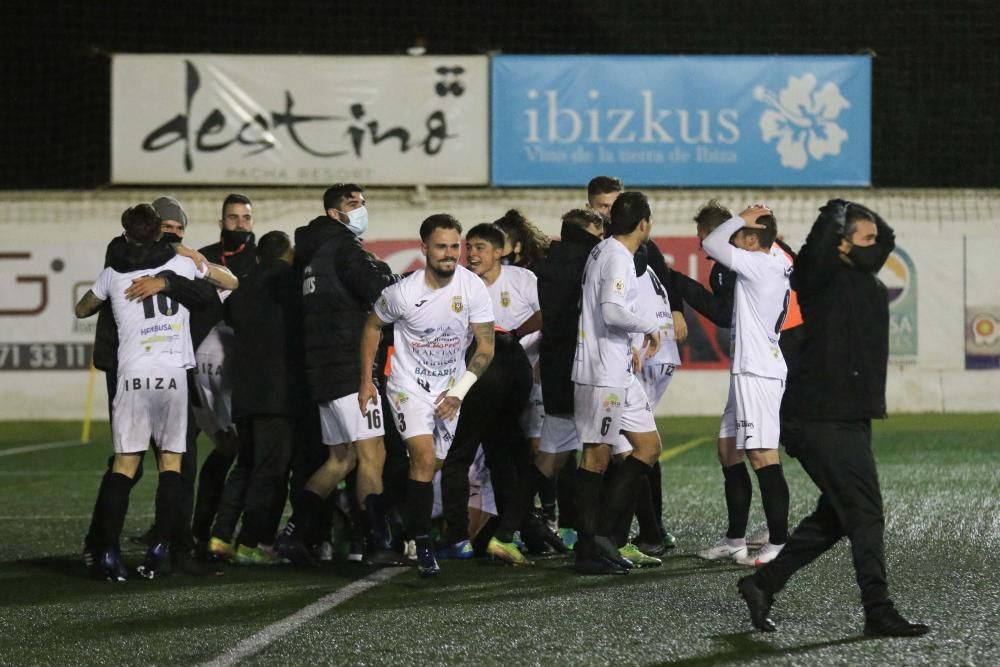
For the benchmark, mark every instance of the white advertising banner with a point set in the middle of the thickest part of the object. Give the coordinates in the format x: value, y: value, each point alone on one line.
x: 300, y: 120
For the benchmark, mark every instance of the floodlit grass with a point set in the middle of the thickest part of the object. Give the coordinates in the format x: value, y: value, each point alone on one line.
x: 941, y: 483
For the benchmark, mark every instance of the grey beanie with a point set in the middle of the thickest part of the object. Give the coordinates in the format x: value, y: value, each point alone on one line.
x: 169, y: 208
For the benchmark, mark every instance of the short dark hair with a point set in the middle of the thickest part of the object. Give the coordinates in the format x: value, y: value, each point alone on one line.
x: 273, y: 245
x: 711, y: 215
x: 235, y: 198
x: 141, y: 223
x: 852, y: 215
x: 488, y: 232
x: 766, y: 236
x: 438, y: 221
x: 336, y: 193
x: 627, y: 211
x: 582, y: 217
x: 602, y: 185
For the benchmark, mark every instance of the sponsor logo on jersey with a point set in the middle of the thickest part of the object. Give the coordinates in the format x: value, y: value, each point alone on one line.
x: 741, y: 423
x: 420, y: 303
x: 611, y: 401
x: 618, y: 286
x: 456, y: 303
x: 505, y: 298
x: 138, y: 384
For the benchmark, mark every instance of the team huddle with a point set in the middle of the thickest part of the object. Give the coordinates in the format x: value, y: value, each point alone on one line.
x: 503, y: 408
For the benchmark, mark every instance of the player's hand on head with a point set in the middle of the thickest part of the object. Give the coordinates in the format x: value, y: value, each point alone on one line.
x: 144, y: 287
x: 752, y: 212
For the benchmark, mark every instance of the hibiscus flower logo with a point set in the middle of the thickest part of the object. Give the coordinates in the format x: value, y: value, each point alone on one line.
x: 803, y: 120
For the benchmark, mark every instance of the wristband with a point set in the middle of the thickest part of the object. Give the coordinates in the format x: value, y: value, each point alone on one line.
x: 462, y: 387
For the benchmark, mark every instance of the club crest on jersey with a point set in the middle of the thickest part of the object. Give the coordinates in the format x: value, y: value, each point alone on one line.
x: 456, y: 303
x: 505, y: 298
x: 611, y: 401
x: 618, y: 286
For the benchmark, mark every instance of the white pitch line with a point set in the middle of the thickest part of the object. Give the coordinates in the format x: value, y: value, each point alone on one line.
x: 38, y: 448
x: 272, y: 633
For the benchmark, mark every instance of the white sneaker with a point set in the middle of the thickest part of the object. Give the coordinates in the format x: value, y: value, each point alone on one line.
x: 758, y: 538
x: 767, y: 553
x: 410, y: 550
x: 724, y: 550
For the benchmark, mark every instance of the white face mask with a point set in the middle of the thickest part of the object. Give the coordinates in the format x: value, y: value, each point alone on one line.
x: 357, y: 220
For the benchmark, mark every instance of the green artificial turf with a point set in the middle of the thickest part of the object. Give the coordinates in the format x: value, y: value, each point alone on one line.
x: 941, y: 484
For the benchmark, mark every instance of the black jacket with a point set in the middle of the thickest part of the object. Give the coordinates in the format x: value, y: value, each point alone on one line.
x: 195, y: 295
x: 560, y: 286
x: 716, y: 305
x: 240, y: 263
x: 667, y: 276
x: 845, y: 349
x: 266, y: 315
x: 340, y: 284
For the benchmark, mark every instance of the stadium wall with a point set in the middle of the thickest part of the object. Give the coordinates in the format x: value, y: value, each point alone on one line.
x: 945, y: 309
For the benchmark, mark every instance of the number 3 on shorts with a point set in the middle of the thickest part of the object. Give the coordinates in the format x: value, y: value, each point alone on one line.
x: 401, y: 421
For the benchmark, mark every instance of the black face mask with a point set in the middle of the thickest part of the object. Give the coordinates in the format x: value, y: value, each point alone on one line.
x: 233, y: 239
x: 865, y: 258
x: 170, y: 237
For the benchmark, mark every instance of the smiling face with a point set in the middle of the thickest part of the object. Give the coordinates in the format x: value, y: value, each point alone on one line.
x: 482, y: 257
x: 442, y: 251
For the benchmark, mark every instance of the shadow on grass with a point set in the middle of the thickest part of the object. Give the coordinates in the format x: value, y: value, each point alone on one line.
x: 742, y: 646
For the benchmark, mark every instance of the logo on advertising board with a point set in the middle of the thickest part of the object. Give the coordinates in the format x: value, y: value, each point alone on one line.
x: 670, y: 120
x: 298, y: 120
x: 982, y: 337
x: 900, y: 277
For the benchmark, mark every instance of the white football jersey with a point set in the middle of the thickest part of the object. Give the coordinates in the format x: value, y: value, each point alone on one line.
x: 152, y: 332
x: 653, y: 302
x: 515, y: 299
x: 761, y: 303
x: 432, y: 329
x: 603, y: 352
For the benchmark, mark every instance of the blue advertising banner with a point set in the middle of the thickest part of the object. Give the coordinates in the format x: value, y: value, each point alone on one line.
x: 682, y: 121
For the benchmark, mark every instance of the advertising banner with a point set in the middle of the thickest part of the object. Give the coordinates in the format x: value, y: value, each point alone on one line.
x: 298, y: 120
x: 681, y: 121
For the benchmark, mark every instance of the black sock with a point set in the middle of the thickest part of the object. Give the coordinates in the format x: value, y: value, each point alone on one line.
x: 113, y: 508
x: 649, y: 520
x: 739, y: 491
x: 308, y: 506
x: 620, y: 499
x: 378, y: 528
x: 211, y: 482
x: 168, y: 497
x: 655, y: 481
x: 774, y: 497
x: 565, y: 483
x: 420, y: 498
x: 587, y: 499
x: 547, y: 493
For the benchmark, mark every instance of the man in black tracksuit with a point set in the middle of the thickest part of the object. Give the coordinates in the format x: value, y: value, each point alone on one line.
x: 235, y: 251
x: 268, y: 378
x: 341, y: 282
x: 839, y: 389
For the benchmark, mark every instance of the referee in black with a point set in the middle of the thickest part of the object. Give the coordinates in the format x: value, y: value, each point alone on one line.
x: 839, y: 389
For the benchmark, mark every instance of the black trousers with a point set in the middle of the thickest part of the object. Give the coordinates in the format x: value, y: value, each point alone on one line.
x: 838, y: 457
x: 258, y: 484
x: 491, y: 416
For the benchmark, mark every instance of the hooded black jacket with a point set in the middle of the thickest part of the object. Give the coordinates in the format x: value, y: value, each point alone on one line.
x: 560, y: 286
x: 240, y: 261
x: 845, y: 349
x: 340, y: 283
